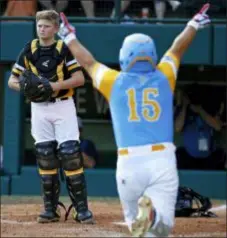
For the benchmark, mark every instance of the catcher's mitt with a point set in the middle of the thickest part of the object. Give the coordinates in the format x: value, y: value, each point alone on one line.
x: 34, y: 88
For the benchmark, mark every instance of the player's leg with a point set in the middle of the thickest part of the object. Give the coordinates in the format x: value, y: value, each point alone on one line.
x: 131, y: 181
x: 45, y: 146
x: 158, y: 202
x: 72, y: 163
x: 48, y: 165
x: 67, y: 135
x: 42, y: 128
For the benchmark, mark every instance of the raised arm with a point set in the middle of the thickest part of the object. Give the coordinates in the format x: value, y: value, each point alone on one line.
x: 67, y: 33
x: 102, y: 77
x: 185, y: 38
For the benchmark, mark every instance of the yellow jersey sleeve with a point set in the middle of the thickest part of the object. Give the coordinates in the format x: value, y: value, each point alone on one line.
x: 103, y: 78
x: 169, y: 66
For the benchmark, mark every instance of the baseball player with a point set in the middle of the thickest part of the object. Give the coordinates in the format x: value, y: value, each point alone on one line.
x: 54, y: 122
x: 141, y: 104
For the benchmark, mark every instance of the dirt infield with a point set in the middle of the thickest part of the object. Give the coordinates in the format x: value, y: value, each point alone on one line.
x: 18, y: 219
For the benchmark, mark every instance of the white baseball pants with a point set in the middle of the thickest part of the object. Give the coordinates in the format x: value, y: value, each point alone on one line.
x: 154, y: 174
x: 54, y: 121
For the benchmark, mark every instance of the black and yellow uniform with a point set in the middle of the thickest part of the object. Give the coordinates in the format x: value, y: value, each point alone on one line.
x: 54, y: 62
x: 49, y: 128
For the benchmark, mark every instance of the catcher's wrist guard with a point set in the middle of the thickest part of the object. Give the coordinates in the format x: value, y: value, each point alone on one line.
x: 34, y: 88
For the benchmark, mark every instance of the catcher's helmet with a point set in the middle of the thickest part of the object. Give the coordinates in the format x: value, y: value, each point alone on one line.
x: 138, y: 53
x: 184, y: 204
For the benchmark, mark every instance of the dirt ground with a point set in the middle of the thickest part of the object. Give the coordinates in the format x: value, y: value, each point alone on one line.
x: 18, y: 219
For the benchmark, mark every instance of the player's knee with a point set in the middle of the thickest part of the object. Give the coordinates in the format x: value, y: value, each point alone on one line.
x: 71, y: 157
x: 46, y: 156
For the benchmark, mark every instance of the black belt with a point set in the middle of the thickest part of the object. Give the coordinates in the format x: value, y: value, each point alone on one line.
x: 58, y: 99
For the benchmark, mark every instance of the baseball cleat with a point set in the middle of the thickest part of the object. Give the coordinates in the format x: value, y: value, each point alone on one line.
x: 49, y: 216
x: 144, y: 219
x: 84, y: 217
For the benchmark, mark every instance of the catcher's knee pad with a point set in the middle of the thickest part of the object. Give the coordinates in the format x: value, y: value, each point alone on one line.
x: 71, y: 158
x: 46, y: 157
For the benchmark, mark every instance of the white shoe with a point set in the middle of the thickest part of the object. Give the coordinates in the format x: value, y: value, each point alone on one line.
x: 144, y: 218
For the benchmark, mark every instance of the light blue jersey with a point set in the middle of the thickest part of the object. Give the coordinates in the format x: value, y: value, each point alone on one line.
x: 141, y: 109
x: 141, y: 104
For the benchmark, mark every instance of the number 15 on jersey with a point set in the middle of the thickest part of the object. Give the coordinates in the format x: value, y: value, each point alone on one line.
x: 149, y: 109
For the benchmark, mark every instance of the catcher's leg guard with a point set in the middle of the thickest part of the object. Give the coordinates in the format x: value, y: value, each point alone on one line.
x: 48, y: 170
x: 72, y: 163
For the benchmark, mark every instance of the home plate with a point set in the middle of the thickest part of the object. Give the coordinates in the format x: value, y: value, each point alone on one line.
x: 120, y: 223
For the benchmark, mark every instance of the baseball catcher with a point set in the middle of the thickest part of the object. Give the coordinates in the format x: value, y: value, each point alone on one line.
x: 35, y: 88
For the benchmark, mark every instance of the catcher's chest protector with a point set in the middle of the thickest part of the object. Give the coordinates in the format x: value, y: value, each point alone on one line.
x: 45, y: 60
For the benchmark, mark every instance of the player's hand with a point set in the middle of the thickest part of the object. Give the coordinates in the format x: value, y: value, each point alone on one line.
x: 201, y: 19
x: 55, y: 86
x: 66, y: 31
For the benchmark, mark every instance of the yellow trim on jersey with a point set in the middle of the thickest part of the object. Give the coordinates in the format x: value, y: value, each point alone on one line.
x: 70, y: 173
x: 34, y: 46
x: 33, y: 68
x: 59, y: 46
x: 16, y: 71
x: 26, y: 62
x: 72, y: 67
x: 48, y: 172
x: 60, y: 75
x: 174, y: 58
x: 107, y: 82
x: 168, y: 72
x: 167, y: 69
